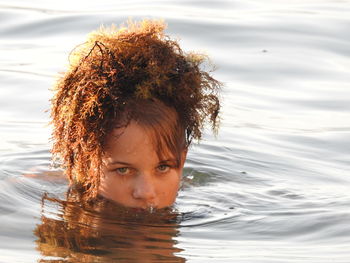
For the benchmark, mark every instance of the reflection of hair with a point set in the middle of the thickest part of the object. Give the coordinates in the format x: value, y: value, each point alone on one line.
x: 102, y: 231
x: 116, y: 68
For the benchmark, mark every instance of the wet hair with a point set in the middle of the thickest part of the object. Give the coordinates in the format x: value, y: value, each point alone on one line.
x: 129, y: 73
x: 161, y: 124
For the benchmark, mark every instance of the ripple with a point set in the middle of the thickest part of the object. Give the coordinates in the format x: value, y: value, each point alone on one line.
x: 25, y: 72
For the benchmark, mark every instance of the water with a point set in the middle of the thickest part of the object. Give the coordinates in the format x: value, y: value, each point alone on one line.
x: 273, y: 186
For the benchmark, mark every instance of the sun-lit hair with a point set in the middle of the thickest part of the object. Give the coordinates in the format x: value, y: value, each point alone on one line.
x: 119, y: 69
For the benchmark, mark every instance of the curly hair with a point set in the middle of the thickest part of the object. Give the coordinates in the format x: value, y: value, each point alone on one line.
x: 116, y: 67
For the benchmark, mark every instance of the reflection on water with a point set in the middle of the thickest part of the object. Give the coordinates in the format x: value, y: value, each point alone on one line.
x: 105, y: 232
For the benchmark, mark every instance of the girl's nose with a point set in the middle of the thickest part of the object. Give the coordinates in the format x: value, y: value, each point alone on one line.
x: 144, y: 189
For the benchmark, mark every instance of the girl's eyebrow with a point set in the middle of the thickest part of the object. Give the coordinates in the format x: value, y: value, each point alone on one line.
x: 168, y: 161
x: 172, y: 160
x: 119, y: 162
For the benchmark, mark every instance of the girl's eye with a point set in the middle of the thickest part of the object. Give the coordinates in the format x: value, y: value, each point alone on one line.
x: 163, y: 168
x: 123, y: 170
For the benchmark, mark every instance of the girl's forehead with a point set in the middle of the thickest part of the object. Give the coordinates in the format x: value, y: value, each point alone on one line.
x: 134, y: 139
x: 132, y: 134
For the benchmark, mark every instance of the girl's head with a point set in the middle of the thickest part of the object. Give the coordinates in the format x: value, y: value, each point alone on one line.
x: 126, y: 85
x: 143, y: 156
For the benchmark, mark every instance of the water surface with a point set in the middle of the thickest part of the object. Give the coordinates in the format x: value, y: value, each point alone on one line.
x: 273, y: 186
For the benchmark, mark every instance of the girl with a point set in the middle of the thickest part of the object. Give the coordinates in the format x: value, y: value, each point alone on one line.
x: 126, y: 111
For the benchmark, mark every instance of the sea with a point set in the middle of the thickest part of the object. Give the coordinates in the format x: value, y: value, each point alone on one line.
x: 272, y: 186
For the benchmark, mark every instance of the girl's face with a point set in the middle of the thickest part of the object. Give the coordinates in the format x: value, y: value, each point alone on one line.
x: 133, y: 175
